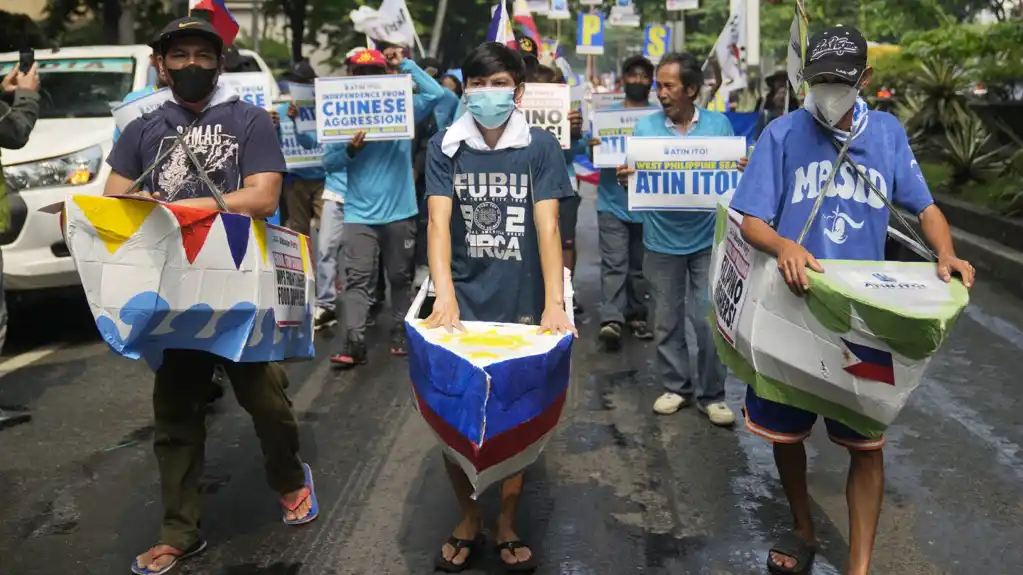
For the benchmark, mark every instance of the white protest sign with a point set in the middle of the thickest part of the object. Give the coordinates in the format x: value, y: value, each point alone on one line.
x: 124, y: 114
x: 295, y: 154
x: 683, y: 174
x: 577, y: 97
x: 546, y: 106
x: 252, y: 87
x: 381, y: 106
x: 289, y: 275
x: 676, y: 5
x: 304, y: 98
x: 733, y: 279
x: 600, y: 100
x: 613, y: 127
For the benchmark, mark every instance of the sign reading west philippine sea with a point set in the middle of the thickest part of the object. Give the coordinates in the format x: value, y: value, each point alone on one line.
x: 683, y: 174
x: 304, y: 98
x: 613, y: 127
x: 295, y: 154
x: 252, y: 87
x: 124, y: 114
x: 546, y: 106
x: 381, y: 106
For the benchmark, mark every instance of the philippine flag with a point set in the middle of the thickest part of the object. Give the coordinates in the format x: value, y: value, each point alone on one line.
x: 869, y: 363
x: 524, y: 17
x: 220, y: 18
x: 500, y: 26
x: 585, y: 171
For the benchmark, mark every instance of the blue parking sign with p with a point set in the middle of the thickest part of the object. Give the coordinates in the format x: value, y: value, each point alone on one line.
x: 589, y: 35
x: 656, y: 40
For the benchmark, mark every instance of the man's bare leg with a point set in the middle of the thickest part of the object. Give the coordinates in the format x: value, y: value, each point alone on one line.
x: 469, y: 528
x: 511, y: 489
x: 864, y: 491
x: 790, y: 458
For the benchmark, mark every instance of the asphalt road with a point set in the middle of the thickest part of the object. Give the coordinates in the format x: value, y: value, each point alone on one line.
x: 618, y: 491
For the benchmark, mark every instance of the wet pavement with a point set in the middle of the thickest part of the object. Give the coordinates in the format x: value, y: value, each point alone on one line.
x: 618, y: 490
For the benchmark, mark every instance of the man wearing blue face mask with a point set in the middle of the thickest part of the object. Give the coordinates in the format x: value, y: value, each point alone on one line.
x: 792, y: 165
x: 499, y: 258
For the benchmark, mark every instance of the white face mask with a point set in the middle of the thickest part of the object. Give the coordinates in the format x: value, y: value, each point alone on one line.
x: 833, y: 101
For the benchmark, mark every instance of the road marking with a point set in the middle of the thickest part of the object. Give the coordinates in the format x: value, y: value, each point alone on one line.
x: 29, y: 357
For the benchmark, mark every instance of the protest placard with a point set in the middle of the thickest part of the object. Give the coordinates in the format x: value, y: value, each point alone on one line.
x: 285, y: 246
x: 613, y: 127
x: 546, y: 106
x: 304, y: 98
x: 125, y: 113
x: 252, y: 87
x: 295, y: 154
x: 381, y: 106
x: 601, y: 100
x: 732, y: 280
x: 577, y: 97
x: 683, y: 174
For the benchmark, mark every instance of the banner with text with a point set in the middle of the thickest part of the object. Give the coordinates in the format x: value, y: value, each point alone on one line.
x: 124, y: 114
x: 304, y: 98
x: 252, y: 87
x: 733, y: 280
x: 381, y: 106
x: 546, y: 106
x: 295, y: 154
x: 683, y: 174
x: 612, y: 128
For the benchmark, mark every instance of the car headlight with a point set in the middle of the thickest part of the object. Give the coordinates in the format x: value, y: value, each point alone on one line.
x: 74, y: 169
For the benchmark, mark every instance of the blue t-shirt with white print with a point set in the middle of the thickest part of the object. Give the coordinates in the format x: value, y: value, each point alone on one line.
x: 789, y: 169
x: 495, y: 254
x: 675, y: 232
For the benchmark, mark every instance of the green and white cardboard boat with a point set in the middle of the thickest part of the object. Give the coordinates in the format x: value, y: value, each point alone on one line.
x: 853, y: 349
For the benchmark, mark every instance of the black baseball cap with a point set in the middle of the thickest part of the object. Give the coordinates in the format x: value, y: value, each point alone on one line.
x: 839, y: 51
x: 188, y: 27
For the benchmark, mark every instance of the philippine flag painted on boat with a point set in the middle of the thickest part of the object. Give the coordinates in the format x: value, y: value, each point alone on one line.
x: 867, y: 362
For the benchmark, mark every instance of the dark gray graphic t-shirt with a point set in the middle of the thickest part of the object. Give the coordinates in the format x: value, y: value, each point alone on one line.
x: 232, y: 140
x: 495, y: 256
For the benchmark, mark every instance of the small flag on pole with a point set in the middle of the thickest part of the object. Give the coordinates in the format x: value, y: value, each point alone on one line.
x: 220, y: 18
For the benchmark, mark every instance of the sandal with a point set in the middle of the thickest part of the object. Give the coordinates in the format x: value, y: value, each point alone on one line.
x: 310, y: 494
x: 791, y: 545
x: 527, y: 566
x: 446, y: 566
x: 179, y: 555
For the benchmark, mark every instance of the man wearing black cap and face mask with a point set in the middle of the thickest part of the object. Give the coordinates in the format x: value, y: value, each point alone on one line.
x: 796, y: 171
x: 240, y: 154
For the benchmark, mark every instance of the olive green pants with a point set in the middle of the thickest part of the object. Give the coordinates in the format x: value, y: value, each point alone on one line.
x: 182, y: 391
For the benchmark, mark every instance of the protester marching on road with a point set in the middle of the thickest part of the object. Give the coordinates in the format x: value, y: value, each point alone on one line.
x: 521, y: 284
x: 380, y: 210
x: 777, y: 207
x: 250, y: 163
x: 303, y: 187
x: 620, y: 232
x: 678, y: 249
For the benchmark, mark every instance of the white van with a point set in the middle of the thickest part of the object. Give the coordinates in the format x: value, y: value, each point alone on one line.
x: 65, y: 154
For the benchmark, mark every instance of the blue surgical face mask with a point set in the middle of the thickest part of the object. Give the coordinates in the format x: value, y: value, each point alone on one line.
x: 490, y: 107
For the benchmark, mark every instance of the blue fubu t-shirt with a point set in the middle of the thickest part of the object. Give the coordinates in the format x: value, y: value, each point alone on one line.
x: 495, y: 255
x: 790, y: 167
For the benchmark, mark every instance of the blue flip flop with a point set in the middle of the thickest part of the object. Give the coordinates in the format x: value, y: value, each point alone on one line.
x: 196, y: 548
x: 314, y: 506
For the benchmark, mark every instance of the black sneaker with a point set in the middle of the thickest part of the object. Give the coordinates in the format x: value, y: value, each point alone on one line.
x: 640, y: 330
x: 323, y: 317
x: 398, y: 346
x: 611, y: 335
x: 353, y: 354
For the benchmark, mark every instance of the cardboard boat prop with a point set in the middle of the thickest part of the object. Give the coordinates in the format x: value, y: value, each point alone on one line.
x: 492, y: 394
x: 852, y: 349
x: 162, y: 276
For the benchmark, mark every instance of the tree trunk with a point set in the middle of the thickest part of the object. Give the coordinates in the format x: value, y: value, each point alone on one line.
x: 126, y: 26
x: 296, y: 21
x: 111, y: 21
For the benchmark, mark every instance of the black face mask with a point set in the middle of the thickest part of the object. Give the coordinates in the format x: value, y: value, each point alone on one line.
x: 192, y: 83
x: 637, y: 92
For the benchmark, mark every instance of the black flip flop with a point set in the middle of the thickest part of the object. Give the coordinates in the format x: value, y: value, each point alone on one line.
x: 446, y: 566
x: 527, y: 566
x: 791, y: 545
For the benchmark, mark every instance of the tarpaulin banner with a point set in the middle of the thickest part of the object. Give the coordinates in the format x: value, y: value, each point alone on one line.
x: 381, y: 106
x: 613, y: 127
x: 492, y: 394
x: 252, y: 87
x: 852, y: 349
x: 162, y: 276
x: 546, y: 106
x: 124, y: 114
x: 304, y: 98
x: 683, y: 174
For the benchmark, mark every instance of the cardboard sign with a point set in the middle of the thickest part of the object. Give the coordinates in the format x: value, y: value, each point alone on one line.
x: 286, y: 249
x: 613, y: 127
x: 546, y: 106
x: 381, y: 106
x: 733, y: 277
x: 252, y: 87
x: 125, y: 114
x: 295, y: 154
x: 683, y: 174
x: 304, y: 98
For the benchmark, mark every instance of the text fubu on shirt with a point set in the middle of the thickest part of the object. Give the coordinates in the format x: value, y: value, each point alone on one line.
x: 495, y: 257
x: 232, y: 140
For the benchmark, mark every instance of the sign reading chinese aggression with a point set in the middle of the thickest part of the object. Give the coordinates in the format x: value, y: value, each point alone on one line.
x: 381, y: 106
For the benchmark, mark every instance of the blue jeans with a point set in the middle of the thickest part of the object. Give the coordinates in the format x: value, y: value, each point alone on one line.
x: 328, y: 253
x: 669, y: 277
